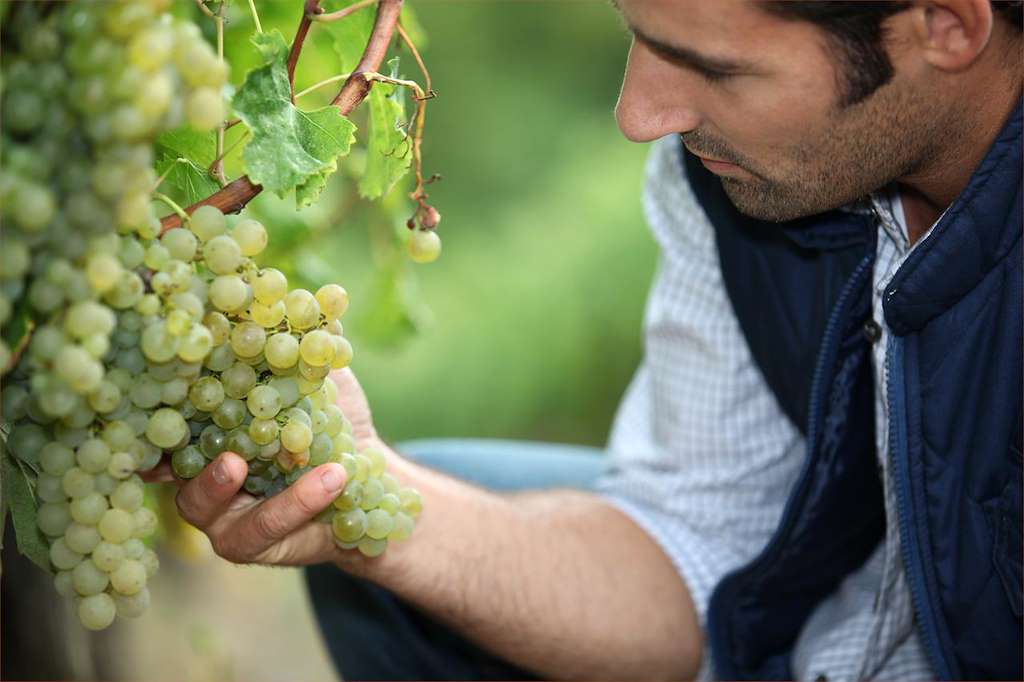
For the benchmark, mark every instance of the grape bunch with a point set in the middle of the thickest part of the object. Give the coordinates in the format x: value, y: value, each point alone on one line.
x: 142, y: 345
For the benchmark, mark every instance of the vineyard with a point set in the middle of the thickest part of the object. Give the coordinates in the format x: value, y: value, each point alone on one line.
x: 151, y: 318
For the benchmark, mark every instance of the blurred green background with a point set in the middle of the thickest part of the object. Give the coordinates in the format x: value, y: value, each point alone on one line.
x: 529, y: 324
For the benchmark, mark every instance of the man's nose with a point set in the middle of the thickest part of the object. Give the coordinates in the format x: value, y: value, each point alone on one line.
x: 656, y: 98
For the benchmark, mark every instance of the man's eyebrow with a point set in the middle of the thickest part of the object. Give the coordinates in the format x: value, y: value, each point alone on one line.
x: 685, y: 55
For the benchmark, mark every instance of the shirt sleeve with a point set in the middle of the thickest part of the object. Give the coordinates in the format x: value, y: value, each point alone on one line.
x: 701, y: 455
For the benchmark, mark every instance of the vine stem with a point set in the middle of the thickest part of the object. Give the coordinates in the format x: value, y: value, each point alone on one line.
x: 419, y: 193
x: 255, y: 16
x: 217, y: 168
x: 233, y: 197
x: 172, y: 203
x: 342, y: 13
x: 326, y: 81
x: 310, y: 9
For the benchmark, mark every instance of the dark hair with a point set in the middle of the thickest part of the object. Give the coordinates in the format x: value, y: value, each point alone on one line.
x: 855, y: 32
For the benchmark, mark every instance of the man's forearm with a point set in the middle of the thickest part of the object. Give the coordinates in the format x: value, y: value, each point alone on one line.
x: 559, y: 582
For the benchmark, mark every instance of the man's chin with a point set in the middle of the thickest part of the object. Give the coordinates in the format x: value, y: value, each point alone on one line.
x: 766, y: 203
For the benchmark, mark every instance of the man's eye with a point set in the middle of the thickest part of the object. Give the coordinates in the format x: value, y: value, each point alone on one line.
x: 713, y: 76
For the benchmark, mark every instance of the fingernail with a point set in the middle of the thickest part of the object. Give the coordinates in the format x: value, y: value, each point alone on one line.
x: 220, y: 472
x: 332, y: 479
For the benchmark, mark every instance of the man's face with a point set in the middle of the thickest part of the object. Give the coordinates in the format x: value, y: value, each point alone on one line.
x: 758, y: 98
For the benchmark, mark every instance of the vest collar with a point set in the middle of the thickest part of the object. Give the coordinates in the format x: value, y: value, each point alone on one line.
x: 971, y: 238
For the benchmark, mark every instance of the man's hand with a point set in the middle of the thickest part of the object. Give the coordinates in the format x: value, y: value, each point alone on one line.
x: 279, y: 530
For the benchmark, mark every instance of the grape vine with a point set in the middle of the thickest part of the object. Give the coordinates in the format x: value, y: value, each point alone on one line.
x: 130, y: 339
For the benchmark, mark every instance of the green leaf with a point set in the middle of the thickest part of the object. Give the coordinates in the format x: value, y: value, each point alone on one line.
x: 350, y: 34
x: 19, y: 499
x: 389, y: 151
x: 189, y: 155
x: 290, y: 148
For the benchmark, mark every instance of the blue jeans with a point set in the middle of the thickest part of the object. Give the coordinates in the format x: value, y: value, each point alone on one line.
x: 373, y: 635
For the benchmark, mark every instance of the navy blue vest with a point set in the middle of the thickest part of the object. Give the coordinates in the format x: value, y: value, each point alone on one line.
x: 801, y: 293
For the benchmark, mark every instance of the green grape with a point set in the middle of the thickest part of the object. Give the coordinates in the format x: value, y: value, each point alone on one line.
x: 55, y: 458
x: 229, y: 293
x: 128, y: 578
x: 296, y: 436
x: 187, y: 462
x: 424, y: 246
x: 222, y: 255
x: 403, y: 527
x: 390, y: 483
x: 196, y: 344
x: 76, y: 482
x: 333, y: 416
x: 211, y: 441
x: 88, y: 579
x: 251, y: 236
x: 106, y: 397
x: 264, y: 402
x: 256, y: 485
x: 412, y: 503
x: 269, y: 286
x: 242, y: 444
x: 372, y: 547
x: 166, y: 428
x: 218, y: 325
x: 117, y: 525
x: 122, y: 465
x: 342, y: 352
x: 81, y: 538
x: 145, y: 523
x: 158, y: 344
x: 317, y: 348
x: 107, y: 556
x: 103, y: 271
x: 118, y: 435
x: 390, y: 503
x: 378, y: 524
x: 62, y: 583
x: 362, y: 467
x: 97, y: 611
x: 350, y: 497
x: 53, y: 518
x: 63, y: 557
x: 207, y: 222
x: 174, y: 391
x: 132, y: 606
x: 128, y: 495
x: 288, y: 388
x: 343, y: 442
x: 238, y: 380
x: 320, y: 449
x: 229, y: 414
x: 267, y: 316
x: 133, y: 548
x: 302, y: 309
x: 50, y: 488
x: 93, y: 456
x: 349, y: 526
x: 373, y: 491
x: 204, y: 108
x: 282, y: 350
x: 88, y: 510
x: 150, y: 561
x: 248, y: 339
x: 206, y: 394
x: 220, y: 358
x: 378, y: 461
x: 333, y: 300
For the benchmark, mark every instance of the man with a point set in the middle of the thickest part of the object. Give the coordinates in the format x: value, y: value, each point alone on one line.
x: 816, y: 472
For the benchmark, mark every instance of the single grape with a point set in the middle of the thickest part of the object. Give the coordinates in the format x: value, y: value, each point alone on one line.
x: 350, y: 497
x: 132, y: 606
x: 302, y: 309
x: 379, y: 524
x: 296, y: 436
x: 282, y: 350
x: 424, y: 246
x: 128, y: 578
x: 97, y: 611
x: 81, y: 538
x: 145, y: 522
x: 88, y: 510
x: 372, y: 547
x: 88, y: 579
x: 188, y: 462
x: 128, y: 496
x: 412, y: 503
x: 107, y: 556
x: 317, y: 348
x: 333, y: 300
x: 207, y: 222
x: 53, y: 518
x: 248, y: 339
x: 166, y: 428
x: 117, y: 525
x: 349, y: 526
x: 264, y: 402
x: 373, y: 491
x: 269, y: 286
x: 251, y: 236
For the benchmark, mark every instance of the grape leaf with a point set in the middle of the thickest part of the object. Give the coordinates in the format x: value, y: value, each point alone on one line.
x: 389, y: 152
x: 190, y: 153
x: 388, y: 155
x: 19, y: 499
x: 290, y: 148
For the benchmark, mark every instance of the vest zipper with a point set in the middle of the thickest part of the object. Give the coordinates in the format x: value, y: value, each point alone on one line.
x: 909, y: 545
x: 724, y: 667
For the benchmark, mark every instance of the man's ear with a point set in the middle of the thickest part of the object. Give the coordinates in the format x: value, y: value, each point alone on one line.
x: 952, y: 34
